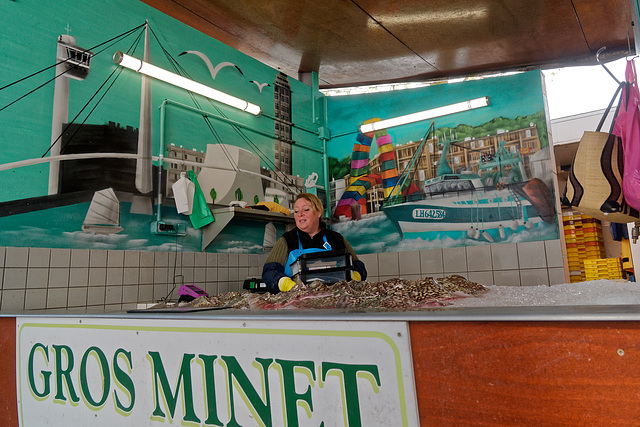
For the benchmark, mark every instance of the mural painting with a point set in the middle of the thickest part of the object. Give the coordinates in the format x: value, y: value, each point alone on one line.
x: 92, y: 149
x: 475, y: 177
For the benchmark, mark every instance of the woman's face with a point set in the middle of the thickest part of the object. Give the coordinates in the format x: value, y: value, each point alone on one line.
x: 307, y: 218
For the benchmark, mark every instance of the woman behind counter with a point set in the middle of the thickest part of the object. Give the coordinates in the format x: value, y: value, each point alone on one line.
x: 309, y: 235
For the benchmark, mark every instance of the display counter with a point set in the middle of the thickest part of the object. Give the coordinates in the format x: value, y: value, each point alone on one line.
x: 561, y: 365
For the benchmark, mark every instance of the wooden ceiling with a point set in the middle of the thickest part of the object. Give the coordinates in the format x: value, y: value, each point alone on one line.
x: 356, y: 42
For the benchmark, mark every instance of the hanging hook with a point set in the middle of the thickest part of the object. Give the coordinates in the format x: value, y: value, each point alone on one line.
x: 604, y: 66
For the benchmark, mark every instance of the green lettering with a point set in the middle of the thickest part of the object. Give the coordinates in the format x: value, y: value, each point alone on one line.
x: 170, y: 400
x: 44, y: 375
x: 291, y: 397
x: 123, y: 381
x: 348, y: 375
x: 63, y: 375
x: 106, y: 379
x: 261, y: 409
x: 210, y: 390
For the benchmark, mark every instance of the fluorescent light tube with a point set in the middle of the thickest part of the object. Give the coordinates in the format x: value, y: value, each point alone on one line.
x: 426, y: 115
x: 184, y: 83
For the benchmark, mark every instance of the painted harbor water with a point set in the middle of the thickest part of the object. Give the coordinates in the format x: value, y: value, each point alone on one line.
x: 60, y: 228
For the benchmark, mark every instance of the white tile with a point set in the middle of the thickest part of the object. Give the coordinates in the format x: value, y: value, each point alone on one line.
x: 233, y: 274
x: 212, y: 274
x: 483, y: 277
x: 115, y: 258
x: 57, y: 298
x: 186, y: 273
x: 243, y: 273
x: 113, y: 295
x: 16, y: 257
x: 35, y: 299
x: 534, y: 277
x: 77, y: 297
x: 233, y: 260
x: 223, y: 260
x: 506, y: 277
x: 14, y: 278
x: 3, y: 251
x: 95, y: 295
x: 147, y: 259
x: 479, y: 258
x: 132, y: 258
x: 243, y: 260
x: 97, y: 258
x: 13, y: 300
x: 556, y: 276
x: 59, y: 277
x: 161, y: 259
x: 145, y: 293
x: 78, y: 276
x: 188, y: 259
x: 161, y: 275
x: 159, y: 291
x: 223, y: 275
x: 129, y: 294
x: 223, y: 288
x: 211, y: 288
x: 388, y: 264
x: 131, y: 275
x: 370, y: 262
x: 531, y: 255
x: 146, y: 275
x: 97, y: 277
x: 200, y: 275
x: 553, y: 249
x: 212, y: 260
x: 114, y: 276
x: 409, y: 263
x: 455, y: 260
x: 254, y: 261
x: 37, y: 278
x: 61, y: 257
x: 39, y: 257
x: 431, y: 262
x: 200, y: 259
x: 504, y: 256
x: 80, y: 257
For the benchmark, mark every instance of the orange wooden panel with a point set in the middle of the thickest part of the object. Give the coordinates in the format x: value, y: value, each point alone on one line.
x: 527, y: 373
x: 8, y: 394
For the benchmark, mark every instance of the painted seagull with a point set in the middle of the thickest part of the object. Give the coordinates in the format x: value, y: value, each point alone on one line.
x: 213, y: 70
x: 260, y: 85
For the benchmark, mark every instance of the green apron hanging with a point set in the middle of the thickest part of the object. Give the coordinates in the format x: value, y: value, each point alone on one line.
x: 201, y: 214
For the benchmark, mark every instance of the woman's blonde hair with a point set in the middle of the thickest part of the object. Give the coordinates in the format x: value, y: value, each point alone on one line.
x: 313, y: 199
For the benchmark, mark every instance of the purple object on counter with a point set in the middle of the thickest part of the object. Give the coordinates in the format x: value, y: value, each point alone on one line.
x: 190, y: 292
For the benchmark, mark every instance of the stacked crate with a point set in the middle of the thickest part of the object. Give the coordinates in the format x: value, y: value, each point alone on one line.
x: 584, y: 240
x: 606, y: 268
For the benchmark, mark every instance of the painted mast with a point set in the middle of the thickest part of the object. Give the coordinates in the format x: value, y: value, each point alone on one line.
x: 143, y: 165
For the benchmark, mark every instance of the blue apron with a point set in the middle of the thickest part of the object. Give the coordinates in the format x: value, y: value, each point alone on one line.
x: 296, y: 253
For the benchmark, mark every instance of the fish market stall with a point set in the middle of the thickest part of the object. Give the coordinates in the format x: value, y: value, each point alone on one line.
x: 442, y: 351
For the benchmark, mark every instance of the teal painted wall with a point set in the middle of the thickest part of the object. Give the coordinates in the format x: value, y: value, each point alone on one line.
x: 28, y: 44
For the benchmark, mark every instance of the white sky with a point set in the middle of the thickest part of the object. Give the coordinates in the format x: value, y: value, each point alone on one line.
x: 576, y: 90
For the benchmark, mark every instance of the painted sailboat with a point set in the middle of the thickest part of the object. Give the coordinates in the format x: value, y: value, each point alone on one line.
x: 270, y: 236
x: 484, y: 207
x: 103, y: 216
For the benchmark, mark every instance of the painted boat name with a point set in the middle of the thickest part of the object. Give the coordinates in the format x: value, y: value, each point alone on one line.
x: 428, y: 214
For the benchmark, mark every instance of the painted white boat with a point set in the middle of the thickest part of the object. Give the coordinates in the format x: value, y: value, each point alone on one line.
x: 103, y: 216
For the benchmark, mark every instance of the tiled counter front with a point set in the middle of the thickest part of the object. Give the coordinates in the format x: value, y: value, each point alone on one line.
x: 42, y: 278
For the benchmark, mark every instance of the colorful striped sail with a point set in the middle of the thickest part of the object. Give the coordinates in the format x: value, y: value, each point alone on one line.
x: 352, y: 204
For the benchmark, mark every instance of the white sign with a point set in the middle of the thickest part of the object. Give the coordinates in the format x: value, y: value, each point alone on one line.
x: 428, y: 214
x: 108, y: 372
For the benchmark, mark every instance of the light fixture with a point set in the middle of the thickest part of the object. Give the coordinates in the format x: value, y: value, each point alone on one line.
x: 184, y: 83
x: 426, y: 115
